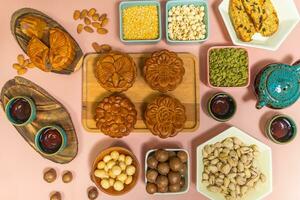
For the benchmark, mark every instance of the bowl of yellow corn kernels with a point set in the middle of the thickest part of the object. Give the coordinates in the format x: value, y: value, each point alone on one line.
x: 140, y: 21
x: 187, y: 21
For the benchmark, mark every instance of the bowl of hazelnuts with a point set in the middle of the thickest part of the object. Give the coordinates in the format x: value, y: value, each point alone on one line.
x: 167, y: 171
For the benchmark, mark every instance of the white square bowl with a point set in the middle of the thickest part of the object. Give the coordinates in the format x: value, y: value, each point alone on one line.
x: 264, y: 162
x: 288, y: 18
x: 187, y: 175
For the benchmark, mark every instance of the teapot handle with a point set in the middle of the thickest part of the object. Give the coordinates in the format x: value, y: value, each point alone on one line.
x: 297, y: 65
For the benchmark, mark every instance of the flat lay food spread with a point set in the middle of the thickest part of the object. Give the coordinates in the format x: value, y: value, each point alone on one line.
x: 156, y: 91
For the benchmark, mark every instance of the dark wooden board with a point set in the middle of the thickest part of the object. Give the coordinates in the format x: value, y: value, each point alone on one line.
x: 23, y: 40
x: 49, y: 112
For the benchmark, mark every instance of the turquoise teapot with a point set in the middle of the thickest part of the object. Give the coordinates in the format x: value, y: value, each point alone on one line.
x: 278, y: 85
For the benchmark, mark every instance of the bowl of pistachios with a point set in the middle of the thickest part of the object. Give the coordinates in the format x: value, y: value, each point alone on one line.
x: 228, y: 67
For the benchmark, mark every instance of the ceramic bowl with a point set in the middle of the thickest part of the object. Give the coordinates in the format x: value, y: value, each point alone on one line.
x: 263, y: 161
x: 232, y: 107
x: 62, y: 133
x: 288, y: 19
x: 126, y: 4
x: 127, y: 188
x: 208, y: 66
x: 173, y: 3
x: 293, y: 126
x: 32, y: 106
x: 187, y: 175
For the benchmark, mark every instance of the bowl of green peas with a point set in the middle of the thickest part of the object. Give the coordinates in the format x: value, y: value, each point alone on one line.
x: 228, y: 67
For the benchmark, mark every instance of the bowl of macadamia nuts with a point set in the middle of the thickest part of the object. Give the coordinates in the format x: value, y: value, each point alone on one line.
x: 115, y: 171
x: 167, y: 171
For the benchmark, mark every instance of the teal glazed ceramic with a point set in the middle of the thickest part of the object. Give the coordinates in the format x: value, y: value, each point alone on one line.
x: 281, y: 123
x: 278, y: 86
x: 39, y: 135
x: 8, y: 110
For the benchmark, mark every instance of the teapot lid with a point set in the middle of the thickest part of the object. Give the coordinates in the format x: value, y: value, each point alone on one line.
x: 279, y: 86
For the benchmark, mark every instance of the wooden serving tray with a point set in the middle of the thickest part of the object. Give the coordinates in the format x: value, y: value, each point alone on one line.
x: 23, y: 40
x: 49, y: 112
x: 140, y: 93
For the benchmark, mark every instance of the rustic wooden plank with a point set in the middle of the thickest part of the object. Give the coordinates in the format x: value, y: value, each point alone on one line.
x: 140, y: 93
x: 49, y: 112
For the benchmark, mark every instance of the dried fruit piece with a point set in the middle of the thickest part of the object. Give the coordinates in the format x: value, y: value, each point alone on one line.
x: 87, y: 21
x: 95, y: 17
x: 96, y: 25
x: 88, y: 29
x: 104, y: 22
x: 91, y: 12
x: 83, y: 13
x: 76, y: 15
x: 80, y: 28
x: 102, y: 31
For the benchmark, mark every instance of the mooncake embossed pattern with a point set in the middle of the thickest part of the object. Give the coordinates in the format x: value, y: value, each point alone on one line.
x: 165, y: 116
x: 116, y: 116
x: 164, y: 71
x: 116, y: 71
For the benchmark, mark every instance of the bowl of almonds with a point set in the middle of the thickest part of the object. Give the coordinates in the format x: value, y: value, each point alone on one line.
x: 234, y: 165
x: 115, y: 171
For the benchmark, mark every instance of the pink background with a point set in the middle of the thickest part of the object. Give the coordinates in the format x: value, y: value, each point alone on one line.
x: 21, y: 168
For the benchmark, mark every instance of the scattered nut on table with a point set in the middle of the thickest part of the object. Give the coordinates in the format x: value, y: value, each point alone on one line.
x: 92, y: 22
x: 67, y: 177
x: 93, y: 193
x: 50, y: 175
x: 55, y: 196
x: 230, y: 168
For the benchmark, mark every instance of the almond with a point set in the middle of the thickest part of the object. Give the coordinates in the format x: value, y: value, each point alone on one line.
x: 96, y: 24
x: 95, y: 17
x: 20, y: 59
x: 17, y: 66
x: 87, y: 21
x: 96, y: 47
x: 102, y: 31
x: 102, y: 17
x: 76, y: 15
x: 88, y: 29
x: 104, y: 22
x: 80, y: 28
x: 105, y: 48
x: 30, y: 65
x: 83, y: 13
x: 91, y: 12
x: 22, y: 71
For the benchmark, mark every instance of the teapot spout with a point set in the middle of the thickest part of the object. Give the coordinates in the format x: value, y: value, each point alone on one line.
x: 261, y: 104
